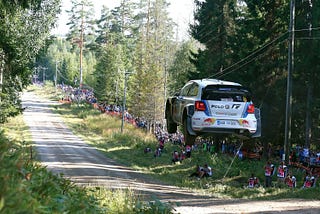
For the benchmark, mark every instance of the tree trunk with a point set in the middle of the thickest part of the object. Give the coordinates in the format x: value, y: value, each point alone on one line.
x: 308, y: 115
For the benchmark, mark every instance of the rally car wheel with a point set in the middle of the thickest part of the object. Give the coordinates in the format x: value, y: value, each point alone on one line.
x: 171, y: 126
x: 188, y: 139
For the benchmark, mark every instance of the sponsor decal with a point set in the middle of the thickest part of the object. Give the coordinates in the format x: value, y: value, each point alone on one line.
x: 244, y: 123
x: 218, y: 106
x: 210, y: 120
x: 236, y: 106
x: 225, y: 113
x: 196, y: 118
x: 226, y: 123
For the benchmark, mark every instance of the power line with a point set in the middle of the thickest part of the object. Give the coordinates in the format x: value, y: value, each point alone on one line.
x: 246, y: 63
x: 260, y: 49
x: 307, y: 38
x: 249, y: 56
x: 307, y: 29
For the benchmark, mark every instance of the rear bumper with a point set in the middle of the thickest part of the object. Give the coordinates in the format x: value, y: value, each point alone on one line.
x: 224, y: 125
x: 222, y: 131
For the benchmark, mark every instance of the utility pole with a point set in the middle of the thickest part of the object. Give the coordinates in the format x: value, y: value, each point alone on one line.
x: 81, y: 44
x: 287, y: 139
x: 43, y: 74
x: 1, y: 70
x: 56, y: 76
x: 308, y: 131
x: 124, y: 99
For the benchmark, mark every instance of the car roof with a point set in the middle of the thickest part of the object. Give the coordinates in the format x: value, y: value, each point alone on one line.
x: 205, y: 82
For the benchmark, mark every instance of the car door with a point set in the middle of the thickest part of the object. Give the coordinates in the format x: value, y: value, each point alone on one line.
x: 179, y: 102
x: 185, y: 98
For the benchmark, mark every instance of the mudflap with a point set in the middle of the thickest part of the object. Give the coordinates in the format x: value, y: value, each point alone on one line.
x: 189, y: 127
x: 258, y: 116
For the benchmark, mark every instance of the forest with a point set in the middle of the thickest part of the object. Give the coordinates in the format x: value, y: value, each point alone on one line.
x: 244, y: 41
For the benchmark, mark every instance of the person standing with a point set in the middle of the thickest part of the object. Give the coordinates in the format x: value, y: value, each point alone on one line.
x: 268, y: 172
x: 282, y: 173
x: 188, y: 151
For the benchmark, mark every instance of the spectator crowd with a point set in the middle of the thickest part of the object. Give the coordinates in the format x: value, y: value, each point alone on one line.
x: 299, y: 157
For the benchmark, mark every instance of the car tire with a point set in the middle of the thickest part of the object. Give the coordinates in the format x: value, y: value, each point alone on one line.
x: 188, y: 138
x: 171, y: 126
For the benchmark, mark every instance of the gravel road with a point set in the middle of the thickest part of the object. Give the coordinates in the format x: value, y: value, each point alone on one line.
x: 63, y: 152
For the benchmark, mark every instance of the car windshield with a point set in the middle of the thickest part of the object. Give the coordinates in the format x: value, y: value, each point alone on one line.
x: 226, y: 93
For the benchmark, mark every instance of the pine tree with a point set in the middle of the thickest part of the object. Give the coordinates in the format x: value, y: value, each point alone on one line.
x: 214, y: 28
x: 114, y: 50
x: 81, y: 33
x: 154, y: 41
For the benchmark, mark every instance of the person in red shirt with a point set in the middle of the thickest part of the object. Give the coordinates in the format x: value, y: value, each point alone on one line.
x: 282, y: 172
x: 268, y: 172
x: 309, y: 181
x: 175, y: 157
x: 188, y: 151
x: 290, y: 180
x: 253, y: 181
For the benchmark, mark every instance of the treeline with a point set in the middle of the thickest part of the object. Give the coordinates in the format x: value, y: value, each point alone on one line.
x: 247, y: 42
x: 243, y: 41
x: 135, y: 40
x: 24, y: 31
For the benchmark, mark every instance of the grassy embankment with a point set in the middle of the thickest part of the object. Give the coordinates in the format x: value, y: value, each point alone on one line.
x: 27, y: 187
x: 103, y: 131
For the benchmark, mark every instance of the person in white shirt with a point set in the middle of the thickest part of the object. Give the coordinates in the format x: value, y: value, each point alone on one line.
x: 206, y: 172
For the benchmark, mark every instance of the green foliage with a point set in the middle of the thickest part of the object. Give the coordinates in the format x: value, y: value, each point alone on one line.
x: 127, y: 40
x: 229, y: 178
x: 215, y: 28
x: 24, y: 28
x: 115, y: 46
x: 108, y: 74
x: 152, y: 57
x: 241, y: 41
x: 81, y: 19
x: 29, y: 184
x: 181, y: 69
x: 247, y: 43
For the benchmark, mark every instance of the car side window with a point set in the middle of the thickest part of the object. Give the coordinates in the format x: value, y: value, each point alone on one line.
x: 185, y: 90
x: 193, y: 90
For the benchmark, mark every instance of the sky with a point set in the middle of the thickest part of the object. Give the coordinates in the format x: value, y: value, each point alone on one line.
x: 179, y: 10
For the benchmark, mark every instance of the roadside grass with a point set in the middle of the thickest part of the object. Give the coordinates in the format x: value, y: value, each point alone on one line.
x: 229, y: 178
x: 28, y: 187
x: 47, y: 90
x: 103, y: 131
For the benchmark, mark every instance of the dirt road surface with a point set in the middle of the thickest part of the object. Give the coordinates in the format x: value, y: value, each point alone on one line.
x: 63, y: 152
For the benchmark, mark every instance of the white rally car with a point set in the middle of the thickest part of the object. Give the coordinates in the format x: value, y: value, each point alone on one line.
x: 211, y: 106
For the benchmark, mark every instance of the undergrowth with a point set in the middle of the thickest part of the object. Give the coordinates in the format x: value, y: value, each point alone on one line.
x: 28, y: 187
x: 229, y: 178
